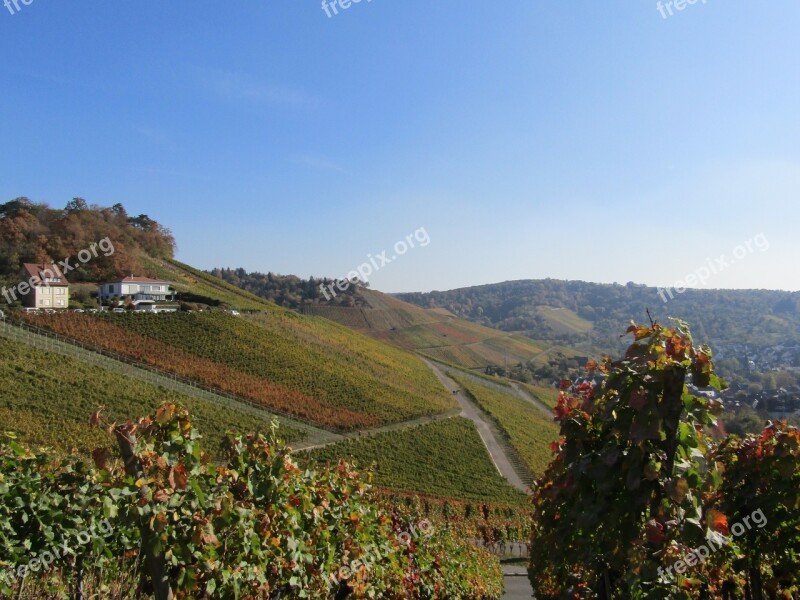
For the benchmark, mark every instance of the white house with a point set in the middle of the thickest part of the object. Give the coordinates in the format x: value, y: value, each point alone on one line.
x: 137, y: 288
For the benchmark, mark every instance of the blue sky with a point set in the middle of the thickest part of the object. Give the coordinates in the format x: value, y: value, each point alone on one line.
x: 573, y: 140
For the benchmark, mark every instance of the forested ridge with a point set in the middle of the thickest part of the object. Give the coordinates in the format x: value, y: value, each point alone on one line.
x: 759, y: 317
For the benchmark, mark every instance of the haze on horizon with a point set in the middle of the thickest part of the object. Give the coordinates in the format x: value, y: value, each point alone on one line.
x: 588, y: 142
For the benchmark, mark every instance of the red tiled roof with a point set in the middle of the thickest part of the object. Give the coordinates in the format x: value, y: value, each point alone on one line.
x: 44, y: 271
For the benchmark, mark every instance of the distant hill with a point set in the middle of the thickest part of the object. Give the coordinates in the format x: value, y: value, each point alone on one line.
x: 576, y: 312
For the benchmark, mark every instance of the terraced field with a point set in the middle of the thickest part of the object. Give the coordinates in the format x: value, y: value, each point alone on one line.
x: 446, y: 458
x: 313, y: 369
x: 528, y: 430
x: 48, y: 398
x: 435, y: 334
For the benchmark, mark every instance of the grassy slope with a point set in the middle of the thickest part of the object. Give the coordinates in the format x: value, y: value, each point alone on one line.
x: 528, y: 430
x: 187, y: 279
x: 49, y: 398
x: 446, y: 458
x: 433, y: 333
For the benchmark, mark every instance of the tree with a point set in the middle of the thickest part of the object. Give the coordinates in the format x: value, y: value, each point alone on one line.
x: 76, y: 205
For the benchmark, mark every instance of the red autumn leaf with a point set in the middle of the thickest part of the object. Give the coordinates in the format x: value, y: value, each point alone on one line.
x: 562, y: 409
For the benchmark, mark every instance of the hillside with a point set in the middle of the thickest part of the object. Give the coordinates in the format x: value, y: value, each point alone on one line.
x: 51, y: 406
x: 436, y: 334
x: 308, y: 368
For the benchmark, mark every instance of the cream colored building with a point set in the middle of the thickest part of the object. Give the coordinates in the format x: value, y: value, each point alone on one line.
x: 48, y: 287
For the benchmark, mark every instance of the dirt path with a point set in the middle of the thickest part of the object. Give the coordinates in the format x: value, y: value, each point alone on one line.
x: 382, y: 429
x: 471, y: 412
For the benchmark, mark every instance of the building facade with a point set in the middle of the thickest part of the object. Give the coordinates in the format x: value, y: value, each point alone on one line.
x: 49, y: 289
x: 136, y: 288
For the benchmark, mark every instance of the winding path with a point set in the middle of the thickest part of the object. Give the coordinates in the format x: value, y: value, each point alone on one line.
x: 485, y: 430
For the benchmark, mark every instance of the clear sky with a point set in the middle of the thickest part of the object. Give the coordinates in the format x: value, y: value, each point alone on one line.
x: 567, y: 139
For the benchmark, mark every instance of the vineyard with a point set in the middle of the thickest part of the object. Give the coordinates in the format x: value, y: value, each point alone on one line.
x: 432, y: 333
x: 490, y: 522
x: 46, y: 398
x: 168, y: 519
x: 424, y: 459
x: 314, y: 370
x: 547, y: 395
x: 528, y: 430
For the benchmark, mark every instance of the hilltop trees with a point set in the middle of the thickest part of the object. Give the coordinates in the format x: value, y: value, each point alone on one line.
x: 34, y: 232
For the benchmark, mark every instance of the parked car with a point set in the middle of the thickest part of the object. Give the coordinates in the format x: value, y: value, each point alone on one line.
x: 119, y: 310
x: 78, y: 310
x: 30, y: 310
